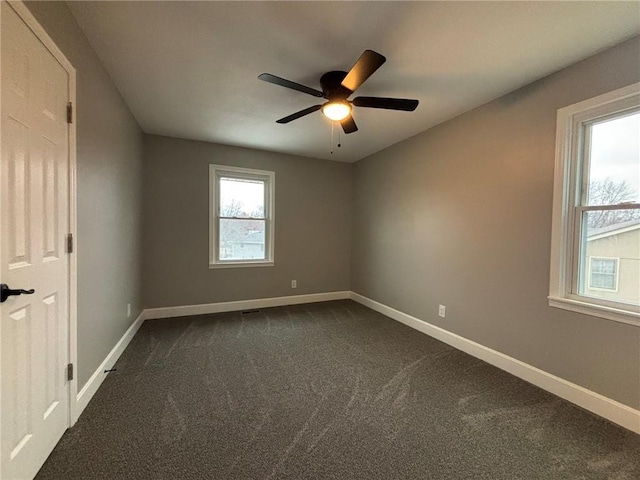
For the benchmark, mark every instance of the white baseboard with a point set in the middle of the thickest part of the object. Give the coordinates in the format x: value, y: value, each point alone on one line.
x: 91, y: 387
x: 616, y: 412
x: 206, y: 308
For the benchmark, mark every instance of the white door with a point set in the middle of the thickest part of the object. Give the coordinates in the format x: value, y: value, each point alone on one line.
x: 34, y: 214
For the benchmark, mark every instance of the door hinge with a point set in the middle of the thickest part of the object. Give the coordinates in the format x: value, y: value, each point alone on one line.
x: 69, y: 242
x: 69, y: 112
x: 70, y: 372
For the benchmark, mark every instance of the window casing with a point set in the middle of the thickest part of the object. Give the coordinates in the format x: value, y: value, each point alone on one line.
x: 241, y: 217
x: 578, y: 231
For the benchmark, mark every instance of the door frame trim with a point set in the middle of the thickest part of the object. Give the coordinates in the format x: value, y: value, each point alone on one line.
x: 29, y: 19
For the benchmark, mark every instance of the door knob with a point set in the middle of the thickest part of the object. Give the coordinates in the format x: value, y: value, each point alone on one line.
x: 6, y: 292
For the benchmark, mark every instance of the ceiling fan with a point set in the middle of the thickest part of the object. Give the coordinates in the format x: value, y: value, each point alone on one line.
x: 337, y: 86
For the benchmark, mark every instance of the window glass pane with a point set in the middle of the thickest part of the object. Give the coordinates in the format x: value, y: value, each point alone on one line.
x: 614, y: 168
x: 610, y: 255
x: 241, y: 198
x: 602, y: 281
x: 242, y: 239
x: 603, y: 273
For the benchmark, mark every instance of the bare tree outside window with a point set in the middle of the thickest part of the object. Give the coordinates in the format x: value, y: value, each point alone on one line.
x: 231, y: 208
x: 608, y: 192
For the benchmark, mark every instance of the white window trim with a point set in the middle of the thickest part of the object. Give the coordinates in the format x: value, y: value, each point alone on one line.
x: 568, y: 143
x: 216, y: 171
x: 616, y: 275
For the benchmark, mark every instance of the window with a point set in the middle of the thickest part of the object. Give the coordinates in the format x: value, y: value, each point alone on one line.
x: 603, y: 274
x: 241, y: 218
x: 595, y: 250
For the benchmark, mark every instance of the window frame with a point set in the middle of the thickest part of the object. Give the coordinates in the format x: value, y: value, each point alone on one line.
x: 615, y: 274
x: 268, y: 177
x: 568, y: 208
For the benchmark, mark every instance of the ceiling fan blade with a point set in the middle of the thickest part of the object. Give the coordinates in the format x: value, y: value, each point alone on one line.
x: 387, y: 103
x: 349, y: 125
x: 368, y: 63
x: 301, y: 113
x: 267, y: 77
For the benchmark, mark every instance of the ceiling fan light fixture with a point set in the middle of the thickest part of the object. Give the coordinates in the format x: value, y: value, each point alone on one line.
x: 336, y: 111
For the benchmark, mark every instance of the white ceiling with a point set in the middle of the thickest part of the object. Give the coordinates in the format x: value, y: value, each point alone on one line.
x: 189, y: 69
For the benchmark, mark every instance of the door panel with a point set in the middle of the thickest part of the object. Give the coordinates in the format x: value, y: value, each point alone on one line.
x: 18, y: 192
x: 19, y: 380
x: 34, y: 214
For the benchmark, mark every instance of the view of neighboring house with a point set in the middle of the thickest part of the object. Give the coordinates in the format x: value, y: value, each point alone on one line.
x: 613, y: 256
x: 243, y: 245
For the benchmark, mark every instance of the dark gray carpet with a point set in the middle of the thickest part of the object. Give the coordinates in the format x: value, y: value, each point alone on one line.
x: 326, y: 391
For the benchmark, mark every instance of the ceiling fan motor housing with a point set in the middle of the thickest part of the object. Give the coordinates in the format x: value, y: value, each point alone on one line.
x: 331, y: 83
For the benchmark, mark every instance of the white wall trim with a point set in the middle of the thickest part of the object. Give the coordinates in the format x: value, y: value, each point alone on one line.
x: 612, y: 410
x: 567, y: 208
x: 616, y: 412
x: 23, y: 11
x: 216, y: 172
x: 91, y: 387
x: 206, y: 308
x: 609, y: 313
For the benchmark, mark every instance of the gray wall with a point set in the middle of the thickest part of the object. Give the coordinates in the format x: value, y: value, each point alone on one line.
x: 312, y: 225
x: 460, y: 215
x: 109, y: 155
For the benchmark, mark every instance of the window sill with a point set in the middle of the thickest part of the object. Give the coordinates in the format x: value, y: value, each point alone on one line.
x: 595, y: 310
x: 261, y: 263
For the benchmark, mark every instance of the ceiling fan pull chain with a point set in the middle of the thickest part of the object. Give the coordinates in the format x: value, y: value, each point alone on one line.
x: 339, y: 145
x: 331, y: 149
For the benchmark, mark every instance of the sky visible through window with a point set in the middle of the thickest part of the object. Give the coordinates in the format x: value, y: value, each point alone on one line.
x: 241, y: 197
x: 615, y: 152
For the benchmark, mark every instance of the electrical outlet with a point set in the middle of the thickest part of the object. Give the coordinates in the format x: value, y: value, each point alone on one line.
x: 128, y: 310
x: 442, y: 311
x: 294, y: 284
